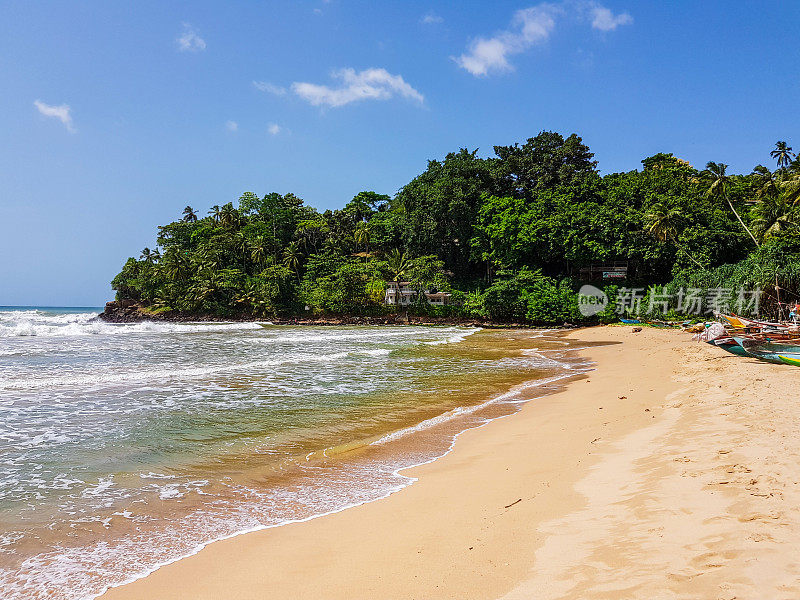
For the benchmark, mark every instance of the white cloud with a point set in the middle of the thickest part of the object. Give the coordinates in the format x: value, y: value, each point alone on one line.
x: 189, y: 40
x: 265, y: 86
x: 528, y: 27
x: 61, y: 112
x: 274, y: 129
x: 605, y: 20
x: 431, y: 19
x: 232, y: 126
x: 369, y: 84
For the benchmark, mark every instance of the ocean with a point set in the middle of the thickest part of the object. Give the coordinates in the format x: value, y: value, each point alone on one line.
x: 127, y: 446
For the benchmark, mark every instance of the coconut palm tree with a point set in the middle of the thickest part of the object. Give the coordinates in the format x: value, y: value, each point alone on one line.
x: 292, y: 257
x: 229, y: 216
x: 768, y: 184
x: 398, y: 264
x: 208, y: 259
x: 664, y: 224
x: 216, y: 213
x: 773, y: 215
x: 718, y: 186
x: 241, y: 248
x: 189, y: 216
x: 148, y: 256
x: 175, y: 264
x: 259, y: 251
x: 363, y: 234
x: 790, y: 182
x: 201, y: 291
x: 782, y: 154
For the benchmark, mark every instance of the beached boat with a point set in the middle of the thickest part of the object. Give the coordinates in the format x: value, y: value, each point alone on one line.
x: 790, y: 359
x: 772, y: 342
x: 738, y: 322
x: 729, y: 345
x: 761, y: 351
x: 771, y: 345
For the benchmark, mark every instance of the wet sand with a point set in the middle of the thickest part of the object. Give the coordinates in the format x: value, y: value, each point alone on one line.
x: 668, y: 472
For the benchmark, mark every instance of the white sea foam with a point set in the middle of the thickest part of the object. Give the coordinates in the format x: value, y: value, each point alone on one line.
x: 34, y: 323
x: 106, y: 379
x: 98, y: 490
x: 376, y: 352
x: 456, y: 338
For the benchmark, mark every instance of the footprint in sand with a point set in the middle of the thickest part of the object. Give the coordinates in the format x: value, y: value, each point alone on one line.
x: 736, y: 469
x: 763, y: 517
x: 713, y: 560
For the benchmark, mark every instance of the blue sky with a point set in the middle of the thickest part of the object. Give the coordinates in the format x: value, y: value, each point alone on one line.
x: 114, y: 116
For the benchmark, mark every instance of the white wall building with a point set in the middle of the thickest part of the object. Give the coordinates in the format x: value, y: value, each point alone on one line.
x: 402, y: 294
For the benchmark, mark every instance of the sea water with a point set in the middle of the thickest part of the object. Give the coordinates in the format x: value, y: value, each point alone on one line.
x: 126, y: 446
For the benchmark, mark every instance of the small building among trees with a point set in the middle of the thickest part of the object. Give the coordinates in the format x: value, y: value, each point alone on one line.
x: 401, y: 293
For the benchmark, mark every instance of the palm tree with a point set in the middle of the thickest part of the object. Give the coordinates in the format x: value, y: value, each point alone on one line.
x: 774, y: 215
x: 175, y: 265
x: 398, y: 264
x: 189, y: 216
x: 718, y: 186
x: 664, y: 223
x: 790, y: 182
x: 201, y: 291
x: 363, y: 234
x: 148, y: 256
x: 767, y: 185
x: 241, y: 248
x: 208, y: 259
x: 258, y: 251
x: 229, y: 216
x: 216, y: 213
x: 782, y: 154
x: 292, y: 257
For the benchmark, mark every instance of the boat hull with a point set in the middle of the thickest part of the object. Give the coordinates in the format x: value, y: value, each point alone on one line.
x: 793, y: 360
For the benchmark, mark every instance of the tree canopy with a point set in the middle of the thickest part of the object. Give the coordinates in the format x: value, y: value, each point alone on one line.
x: 507, y: 234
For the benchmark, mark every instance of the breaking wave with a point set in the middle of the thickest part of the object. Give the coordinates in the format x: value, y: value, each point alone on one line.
x: 29, y: 323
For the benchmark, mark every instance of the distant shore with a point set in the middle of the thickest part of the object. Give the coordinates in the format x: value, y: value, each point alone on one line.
x: 132, y: 312
x: 665, y: 471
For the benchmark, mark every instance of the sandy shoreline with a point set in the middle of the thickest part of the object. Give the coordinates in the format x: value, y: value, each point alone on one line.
x: 669, y: 472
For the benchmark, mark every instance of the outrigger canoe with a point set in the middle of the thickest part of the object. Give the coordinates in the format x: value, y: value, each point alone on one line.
x: 790, y: 360
x: 752, y: 348
x: 738, y: 322
x: 729, y: 345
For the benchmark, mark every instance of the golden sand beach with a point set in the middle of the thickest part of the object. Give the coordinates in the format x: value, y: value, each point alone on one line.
x: 670, y: 471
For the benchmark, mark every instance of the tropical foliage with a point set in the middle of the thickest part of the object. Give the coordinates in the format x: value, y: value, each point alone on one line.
x: 507, y: 235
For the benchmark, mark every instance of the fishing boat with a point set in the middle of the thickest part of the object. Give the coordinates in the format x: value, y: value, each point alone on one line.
x: 729, y: 345
x: 760, y: 351
x: 743, y: 323
x: 768, y: 341
x: 790, y: 359
x: 770, y: 345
